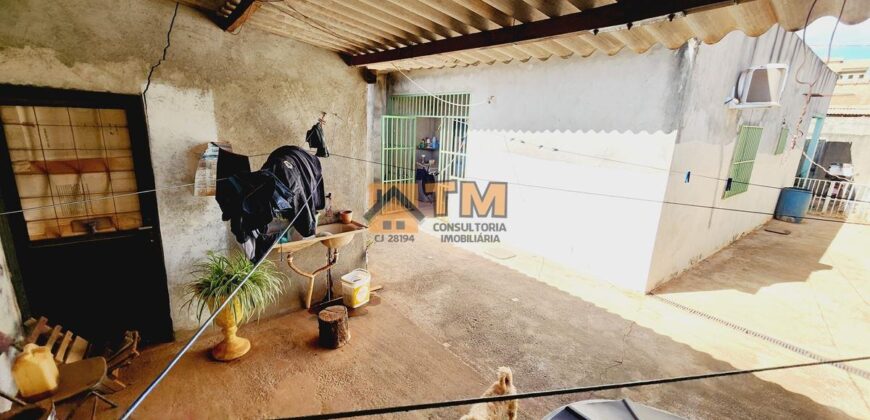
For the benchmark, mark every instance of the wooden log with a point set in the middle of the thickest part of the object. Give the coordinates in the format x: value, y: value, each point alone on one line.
x: 334, y: 329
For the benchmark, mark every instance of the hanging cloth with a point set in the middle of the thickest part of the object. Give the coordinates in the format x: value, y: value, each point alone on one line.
x: 288, y: 186
x: 315, y: 139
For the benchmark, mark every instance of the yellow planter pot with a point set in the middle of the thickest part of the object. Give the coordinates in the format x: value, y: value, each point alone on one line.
x: 233, y: 346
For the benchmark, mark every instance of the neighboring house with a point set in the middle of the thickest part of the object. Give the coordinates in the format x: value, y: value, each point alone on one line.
x: 845, y: 136
x: 597, y: 149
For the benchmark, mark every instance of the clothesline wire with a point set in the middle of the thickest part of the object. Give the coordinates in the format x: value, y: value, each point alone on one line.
x: 544, y: 187
x: 688, y: 173
x: 622, y: 197
x: 567, y: 391
x: 540, y: 146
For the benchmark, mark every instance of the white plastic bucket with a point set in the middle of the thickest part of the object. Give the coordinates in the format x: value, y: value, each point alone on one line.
x: 355, y: 288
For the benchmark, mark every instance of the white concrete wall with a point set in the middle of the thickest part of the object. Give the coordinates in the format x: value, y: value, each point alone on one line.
x: 621, y: 107
x: 256, y: 90
x: 706, y: 141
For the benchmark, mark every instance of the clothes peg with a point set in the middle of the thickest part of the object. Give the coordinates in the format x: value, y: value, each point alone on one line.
x: 728, y: 185
x: 688, y: 176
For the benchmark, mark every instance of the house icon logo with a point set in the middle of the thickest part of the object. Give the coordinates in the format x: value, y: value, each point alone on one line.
x: 393, y: 212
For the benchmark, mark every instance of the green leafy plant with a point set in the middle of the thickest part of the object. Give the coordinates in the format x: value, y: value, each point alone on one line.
x: 217, y: 276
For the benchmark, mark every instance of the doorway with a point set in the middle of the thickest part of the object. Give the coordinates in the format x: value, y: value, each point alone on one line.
x: 86, y: 246
x: 424, y: 143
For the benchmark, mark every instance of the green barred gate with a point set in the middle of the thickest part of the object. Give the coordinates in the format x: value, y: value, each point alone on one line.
x: 399, y: 140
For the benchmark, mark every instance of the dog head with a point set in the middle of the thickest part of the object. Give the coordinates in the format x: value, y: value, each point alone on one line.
x: 506, y: 381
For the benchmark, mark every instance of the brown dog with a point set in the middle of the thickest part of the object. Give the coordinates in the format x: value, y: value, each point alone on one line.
x: 500, y: 409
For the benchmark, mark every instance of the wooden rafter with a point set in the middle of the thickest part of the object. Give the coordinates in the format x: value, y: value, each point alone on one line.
x: 434, y: 15
x: 234, y: 13
x: 622, y: 13
x: 401, y: 14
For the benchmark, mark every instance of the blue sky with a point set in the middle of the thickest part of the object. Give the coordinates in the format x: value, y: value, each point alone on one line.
x: 850, y: 42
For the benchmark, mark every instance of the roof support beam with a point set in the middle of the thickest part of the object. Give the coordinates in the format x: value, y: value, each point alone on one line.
x: 234, y: 13
x: 624, y: 12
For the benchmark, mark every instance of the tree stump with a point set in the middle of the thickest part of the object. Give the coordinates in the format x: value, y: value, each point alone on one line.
x: 334, y: 330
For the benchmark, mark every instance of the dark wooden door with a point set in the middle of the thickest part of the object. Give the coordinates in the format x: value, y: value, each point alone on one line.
x: 87, y: 243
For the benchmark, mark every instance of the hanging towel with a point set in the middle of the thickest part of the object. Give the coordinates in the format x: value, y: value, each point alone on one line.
x: 315, y: 140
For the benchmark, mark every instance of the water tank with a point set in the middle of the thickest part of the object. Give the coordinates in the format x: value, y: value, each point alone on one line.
x: 793, y: 204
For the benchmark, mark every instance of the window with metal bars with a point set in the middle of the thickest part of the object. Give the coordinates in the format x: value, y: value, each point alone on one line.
x: 743, y: 160
x: 783, y: 138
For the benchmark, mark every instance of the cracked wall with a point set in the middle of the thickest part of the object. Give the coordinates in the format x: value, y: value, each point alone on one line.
x: 256, y: 90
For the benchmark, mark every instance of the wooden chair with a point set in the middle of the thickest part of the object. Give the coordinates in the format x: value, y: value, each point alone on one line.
x: 65, y: 346
x: 68, y: 348
x: 119, y: 359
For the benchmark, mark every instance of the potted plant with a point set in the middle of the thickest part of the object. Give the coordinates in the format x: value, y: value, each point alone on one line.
x: 214, y: 280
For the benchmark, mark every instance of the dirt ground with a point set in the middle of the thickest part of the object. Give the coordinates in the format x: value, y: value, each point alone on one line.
x: 449, y: 317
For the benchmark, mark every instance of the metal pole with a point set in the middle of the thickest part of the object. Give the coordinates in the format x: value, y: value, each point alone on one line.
x: 201, y: 329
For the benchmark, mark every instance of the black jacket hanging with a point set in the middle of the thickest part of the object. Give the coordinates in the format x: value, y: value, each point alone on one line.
x: 315, y: 140
x: 288, y: 186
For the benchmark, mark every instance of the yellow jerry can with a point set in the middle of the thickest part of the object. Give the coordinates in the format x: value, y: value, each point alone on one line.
x: 35, y: 372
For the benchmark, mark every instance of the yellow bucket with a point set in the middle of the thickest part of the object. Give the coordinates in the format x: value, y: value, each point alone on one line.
x: 355, y: 288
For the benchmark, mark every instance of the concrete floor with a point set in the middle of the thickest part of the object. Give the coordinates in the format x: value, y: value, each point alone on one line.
x: 450, y: 316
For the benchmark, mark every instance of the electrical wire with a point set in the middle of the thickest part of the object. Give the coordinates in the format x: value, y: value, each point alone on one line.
x: 809, y: 95
x: 427, y: 92
x: 566, y: 391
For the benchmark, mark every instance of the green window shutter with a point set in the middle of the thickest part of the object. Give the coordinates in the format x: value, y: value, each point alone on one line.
x: 783, y: 138
x: 743, y: 159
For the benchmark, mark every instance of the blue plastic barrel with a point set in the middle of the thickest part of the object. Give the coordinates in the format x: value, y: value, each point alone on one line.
x: 793, y: 204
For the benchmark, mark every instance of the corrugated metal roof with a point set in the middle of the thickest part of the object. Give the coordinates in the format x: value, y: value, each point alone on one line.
x: 356, y: 27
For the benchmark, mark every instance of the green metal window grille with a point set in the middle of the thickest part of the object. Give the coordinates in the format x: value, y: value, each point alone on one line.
x: 398, y: 145
x: 743, y: 159
x: 783, y: 138
x: 425, y: 105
